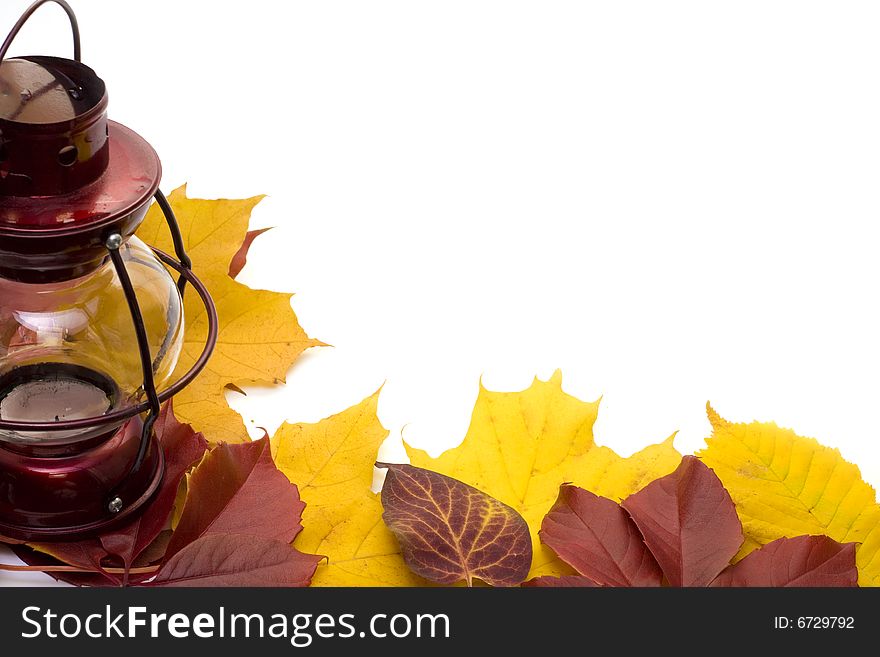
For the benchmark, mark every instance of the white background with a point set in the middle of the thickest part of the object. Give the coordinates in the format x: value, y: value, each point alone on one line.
x: 673, y: 202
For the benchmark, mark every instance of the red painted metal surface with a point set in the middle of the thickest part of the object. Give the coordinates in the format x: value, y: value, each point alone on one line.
x: 50, y: 497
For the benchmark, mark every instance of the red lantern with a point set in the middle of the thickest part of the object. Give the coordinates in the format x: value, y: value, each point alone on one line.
x: 91, y: 319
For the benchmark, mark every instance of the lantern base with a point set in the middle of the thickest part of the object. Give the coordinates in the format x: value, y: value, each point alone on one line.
x: 66, y: 498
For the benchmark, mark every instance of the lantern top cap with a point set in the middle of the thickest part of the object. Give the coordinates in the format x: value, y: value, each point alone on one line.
x: 40, y: 92
x: 68, y: 175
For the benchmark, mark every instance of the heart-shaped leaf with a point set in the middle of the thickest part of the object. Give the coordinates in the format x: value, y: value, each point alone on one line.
x: 451, y: 532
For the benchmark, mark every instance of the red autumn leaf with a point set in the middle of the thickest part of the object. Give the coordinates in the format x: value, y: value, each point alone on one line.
x: 86, y: 554
x: 239, y: 260
x: 690, y: 526
x: 451, y: 532
x: 561, y: 582
x: 80, y: 557
x: 182, y: 447
x: 40, y: 560
x: 240, y: 516
x: 597, y: 538
x: 799, y: 561
x: 688, y: 522
x: 237, y: 560
x: 237, y: 489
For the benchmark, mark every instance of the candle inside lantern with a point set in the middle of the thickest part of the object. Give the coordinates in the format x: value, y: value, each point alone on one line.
x: 53, y: 400
x: 53, y: 397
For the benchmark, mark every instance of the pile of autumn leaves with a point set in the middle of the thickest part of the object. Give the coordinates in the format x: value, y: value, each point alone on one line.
x: 679, y: 530
x: 528, y: 497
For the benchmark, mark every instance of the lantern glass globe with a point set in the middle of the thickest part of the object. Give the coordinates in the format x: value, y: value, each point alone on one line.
x: 68, y: 349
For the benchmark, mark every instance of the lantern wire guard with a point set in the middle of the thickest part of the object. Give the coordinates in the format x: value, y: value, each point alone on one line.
x: 113, y: 239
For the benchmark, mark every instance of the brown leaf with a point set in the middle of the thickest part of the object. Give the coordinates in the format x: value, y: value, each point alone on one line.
x: 800, y: 561
x: 239, y: 260
x: 597, y: 538
x: 562, y: 582
x: 237, y: 489
x: 451, y: 532
x: 689, y: 523
x: 237, y: 560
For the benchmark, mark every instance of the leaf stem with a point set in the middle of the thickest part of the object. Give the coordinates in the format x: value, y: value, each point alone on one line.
x: 145, y: 570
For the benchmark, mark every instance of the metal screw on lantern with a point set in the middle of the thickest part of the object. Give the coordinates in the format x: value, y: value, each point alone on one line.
x: 115, y: 505
x: 113, y: 241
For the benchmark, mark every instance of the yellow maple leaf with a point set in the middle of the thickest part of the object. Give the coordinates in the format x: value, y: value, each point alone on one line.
x: 785, y: 485
x: 522, y: 445
x: 331, y: 462
x: 260, y: 336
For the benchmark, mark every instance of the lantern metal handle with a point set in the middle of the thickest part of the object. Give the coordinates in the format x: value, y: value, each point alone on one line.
x: 115, y: 503
x: 176, y: 237
x: 74, y: 26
